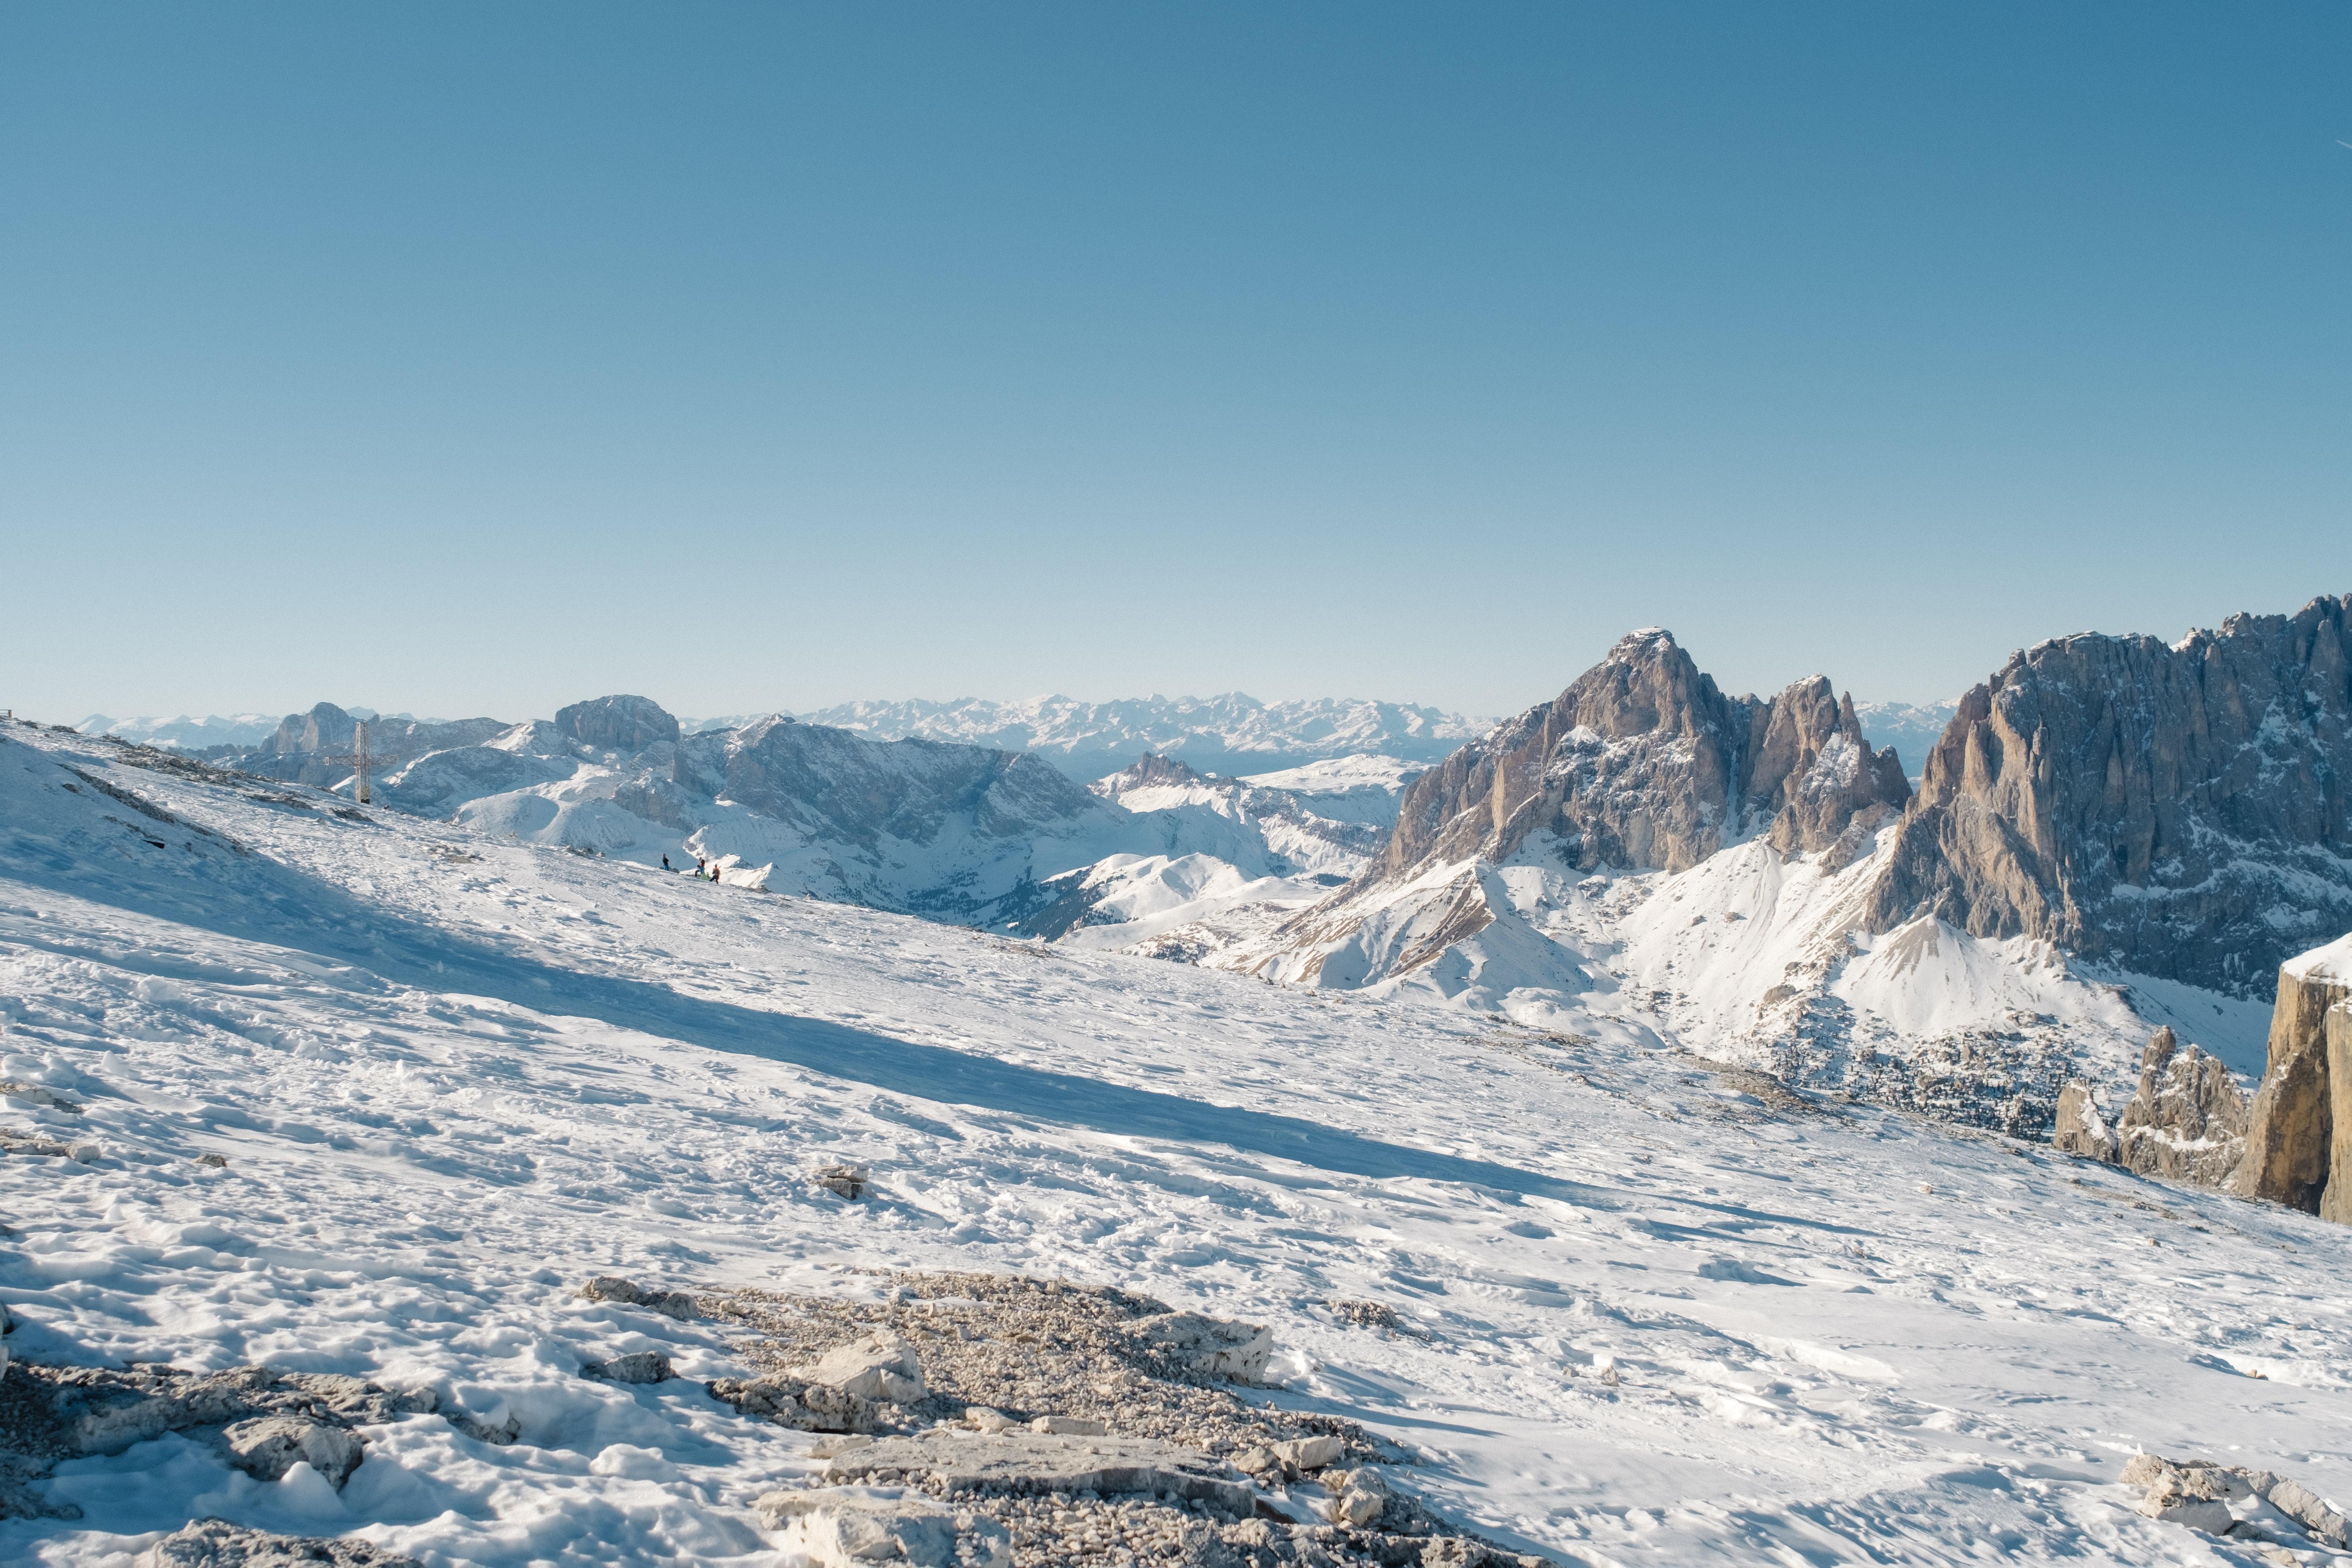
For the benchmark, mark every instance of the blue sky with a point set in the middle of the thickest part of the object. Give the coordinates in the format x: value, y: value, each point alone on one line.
x: 474, y: 359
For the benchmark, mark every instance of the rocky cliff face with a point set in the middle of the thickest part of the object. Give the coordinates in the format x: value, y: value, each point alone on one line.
x: 2186, y: 1122
x: 624, y: 724
x: 2301, y: 1123
x: 2181, y: 810
x: 1643, y: 762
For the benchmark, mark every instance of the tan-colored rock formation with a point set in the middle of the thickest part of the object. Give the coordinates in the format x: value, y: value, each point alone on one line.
x: 2292, y: 1150
x: 2186, y: 1122
x: 2160, y: 806
x: 1643, y: 762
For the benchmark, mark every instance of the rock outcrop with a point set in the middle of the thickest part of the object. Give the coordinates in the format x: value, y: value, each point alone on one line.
x: 2186, y: 1122
x: 2181, y: 810
x: 624, y: 724
x: 1643, y: 762
x: 215, y: 1544
x: 2297, y: 1132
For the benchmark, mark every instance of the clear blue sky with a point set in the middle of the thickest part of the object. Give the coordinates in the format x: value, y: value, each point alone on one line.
x: 476, y: 358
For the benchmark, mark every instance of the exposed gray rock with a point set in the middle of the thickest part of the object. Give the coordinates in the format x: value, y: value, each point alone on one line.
x: 624, y: 724
x: 2174, y: 809
x: 677, y: 1304
x: 267, y: 1447
x: 637, y: 1366
x: 1034, y: 1462
x: 2292, y: 1134
x: 881, y: 1367
x: 2199, y: 1493
x: 2082, y: 1128
x: 1212, y: 1347
x: 214, y: 1544
x: 1070, y: 1427
x: 794, y: 1402
x: 1643, y: 762
x: 846, y: 1529
x: 1308, y: 1454
x: 53, y: 1413
x: 843, y: 1180
x: 2186, y: 1121
x: 34, y: 1094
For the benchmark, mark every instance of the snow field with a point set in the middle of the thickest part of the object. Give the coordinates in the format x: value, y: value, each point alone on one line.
x: 452, y: 1077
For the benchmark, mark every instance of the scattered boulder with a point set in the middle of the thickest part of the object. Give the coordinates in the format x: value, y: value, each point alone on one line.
x: 1034, y: 1462
x: 1069, y: 1426
x: 15, y: 1089
x: 1306, y: 1454
x: 795, y: 1402
x: 844, y: 1181
x: 2198, y: 1493
x: 217, y: 1161
x: 881, y: 1367
x: 1210, y: 1347
x: 215, y: 1543
x: 676, y: 1304
x: 267, y: 1447
x: 834, y: 1529
x: 639, y: 1366
x: 2321, y: 1522
x: 1358, y: 1498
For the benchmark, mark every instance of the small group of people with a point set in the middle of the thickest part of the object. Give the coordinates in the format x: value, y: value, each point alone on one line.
x: 704, y: 871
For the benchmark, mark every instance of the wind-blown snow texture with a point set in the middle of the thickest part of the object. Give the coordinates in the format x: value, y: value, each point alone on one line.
x: 452, y: 1074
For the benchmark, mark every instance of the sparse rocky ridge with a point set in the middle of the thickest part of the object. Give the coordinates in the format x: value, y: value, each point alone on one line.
x: 2181, y: 810
x: 2299, y: 1137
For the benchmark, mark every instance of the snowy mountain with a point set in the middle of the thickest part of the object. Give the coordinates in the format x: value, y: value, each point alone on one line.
x: 358, y: 1101
x: 968, y: 834
x: 185, y: 731
x: 1731, y: 874
x: 1319, y: 823
x: 1228, y: 735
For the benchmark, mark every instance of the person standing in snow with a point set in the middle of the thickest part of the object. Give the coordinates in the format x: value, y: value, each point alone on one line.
x: 665, y: 862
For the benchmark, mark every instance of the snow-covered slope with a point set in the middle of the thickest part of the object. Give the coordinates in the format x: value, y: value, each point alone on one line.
x: 1647, y: 1314
x: 1229, y: 734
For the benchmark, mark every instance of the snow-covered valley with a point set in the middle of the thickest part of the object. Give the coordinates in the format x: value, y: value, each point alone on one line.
x: 1647, y: 1312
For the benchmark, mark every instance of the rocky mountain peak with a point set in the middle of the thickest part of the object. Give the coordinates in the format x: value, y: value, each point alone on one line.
x: 1643, y: 762
x: 621, y: 723
x: 2160, y: 806
x: 1150, y: 771
x: 325, y: 727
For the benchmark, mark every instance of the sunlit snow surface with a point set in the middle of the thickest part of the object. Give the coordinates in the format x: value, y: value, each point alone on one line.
x: 447, y: 1089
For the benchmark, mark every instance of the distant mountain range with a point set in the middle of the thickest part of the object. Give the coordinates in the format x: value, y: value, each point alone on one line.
x: 1953, y: 907
x: 1231, y: 735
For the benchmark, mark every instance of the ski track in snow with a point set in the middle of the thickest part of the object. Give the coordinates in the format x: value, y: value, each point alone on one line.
x: 447, y: 1089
